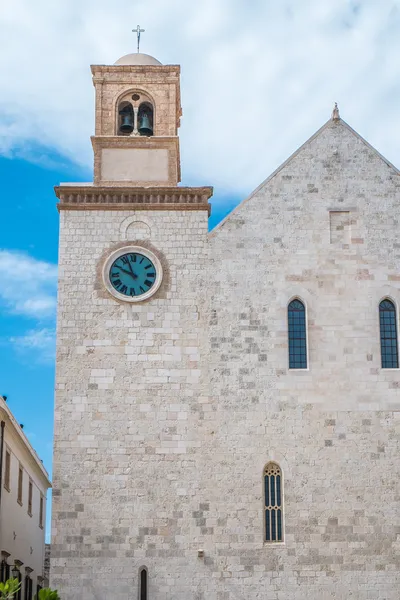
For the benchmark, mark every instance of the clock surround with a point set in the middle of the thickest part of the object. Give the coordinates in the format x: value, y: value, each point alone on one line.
x: 132, y: 274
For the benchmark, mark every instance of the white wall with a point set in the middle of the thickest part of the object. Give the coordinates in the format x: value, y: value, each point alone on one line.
x: 20, y: 533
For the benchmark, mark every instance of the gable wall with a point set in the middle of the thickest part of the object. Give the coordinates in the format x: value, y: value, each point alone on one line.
x: 332, y: 428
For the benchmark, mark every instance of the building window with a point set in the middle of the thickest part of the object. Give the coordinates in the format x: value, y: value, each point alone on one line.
x: 18, y: 595
x: 143, y: 584
x: 297, y: 335
x: 28, y: 588
x: 7, y: 470
x: 388, y: 328
x: 20, y: 482
x: 273, y: 503
x: 41, y: 510
x: 30, y: 494
x: 38, y: 588
x: 5, y: 570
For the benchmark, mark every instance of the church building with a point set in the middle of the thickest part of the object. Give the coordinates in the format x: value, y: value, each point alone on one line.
x: 227, y: 410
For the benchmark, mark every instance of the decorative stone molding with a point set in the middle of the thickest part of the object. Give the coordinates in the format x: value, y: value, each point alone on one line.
x: 133, y: 220
x: 129, y: 198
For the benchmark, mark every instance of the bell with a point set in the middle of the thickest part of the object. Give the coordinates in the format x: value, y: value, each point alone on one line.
x: 145, y: 128
x: 126, y: 123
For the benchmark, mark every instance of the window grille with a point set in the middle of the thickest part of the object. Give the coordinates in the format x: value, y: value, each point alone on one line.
x: 297, y: 335
x: 388, y: 329
x: 273, y: 503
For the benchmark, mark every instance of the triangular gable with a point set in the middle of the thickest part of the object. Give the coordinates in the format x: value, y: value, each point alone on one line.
x: 329, y: 123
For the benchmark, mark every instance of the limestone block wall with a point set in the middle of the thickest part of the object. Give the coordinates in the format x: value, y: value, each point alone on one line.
x: 324, y: 229
x: 167, y: 411
x: 129, y: 398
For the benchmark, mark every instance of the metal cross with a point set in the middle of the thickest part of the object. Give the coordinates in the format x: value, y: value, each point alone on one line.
x: 138, y: 32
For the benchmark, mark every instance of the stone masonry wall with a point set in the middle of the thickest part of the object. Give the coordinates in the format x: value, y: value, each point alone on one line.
x: 167, y: 411
x: 128, y: 400
x: 333, y: 428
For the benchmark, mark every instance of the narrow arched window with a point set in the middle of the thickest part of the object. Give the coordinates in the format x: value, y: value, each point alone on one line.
x: 388, y: 328
x: 143, y: 584
x: 273, y: 503
x: 297, y: 335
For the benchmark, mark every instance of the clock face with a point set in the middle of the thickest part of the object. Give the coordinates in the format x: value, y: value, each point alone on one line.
x: 132, y: 274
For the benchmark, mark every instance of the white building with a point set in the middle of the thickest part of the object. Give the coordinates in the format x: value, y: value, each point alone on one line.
x: 227, y: 403
x: 23, y: 490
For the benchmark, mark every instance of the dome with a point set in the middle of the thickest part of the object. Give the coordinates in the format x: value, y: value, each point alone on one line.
x: 137, y: 59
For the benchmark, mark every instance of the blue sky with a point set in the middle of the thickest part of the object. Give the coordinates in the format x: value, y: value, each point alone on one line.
x: 258, y: 79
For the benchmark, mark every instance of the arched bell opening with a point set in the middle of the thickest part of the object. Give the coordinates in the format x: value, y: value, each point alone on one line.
x: 145, y: 119
x: 126, y: 121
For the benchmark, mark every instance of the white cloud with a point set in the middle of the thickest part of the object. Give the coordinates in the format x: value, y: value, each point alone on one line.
x: 258, y: 77
x: 28, y: 286
x: 37, y: 342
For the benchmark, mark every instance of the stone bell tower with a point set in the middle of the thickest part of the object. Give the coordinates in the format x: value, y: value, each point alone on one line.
x: 138, y: 109
x: 131, y: 341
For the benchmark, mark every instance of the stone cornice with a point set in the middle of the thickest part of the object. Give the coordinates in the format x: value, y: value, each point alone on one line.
x: 132, y: 198
x: 154, y: 69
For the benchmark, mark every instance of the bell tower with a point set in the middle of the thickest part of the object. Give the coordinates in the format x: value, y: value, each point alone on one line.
x: 131, y: 341
x: 138, y: 112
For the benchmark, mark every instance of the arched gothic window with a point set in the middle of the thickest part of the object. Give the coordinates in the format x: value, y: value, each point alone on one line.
x: 388, y: 328
x: 273, y: 503
x: 297, y: 335
x: 143, y: 583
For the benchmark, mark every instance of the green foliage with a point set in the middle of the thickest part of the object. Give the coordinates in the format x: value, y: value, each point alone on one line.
x: 48, y: 594
x: 9, y: 589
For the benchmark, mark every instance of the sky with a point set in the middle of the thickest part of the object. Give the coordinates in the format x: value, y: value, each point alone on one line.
x: 259, y: 77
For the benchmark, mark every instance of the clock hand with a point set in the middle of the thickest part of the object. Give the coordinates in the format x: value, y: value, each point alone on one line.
x: 132, y: 274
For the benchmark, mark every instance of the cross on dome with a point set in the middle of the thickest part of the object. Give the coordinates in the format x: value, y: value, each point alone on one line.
x: 138, y: 31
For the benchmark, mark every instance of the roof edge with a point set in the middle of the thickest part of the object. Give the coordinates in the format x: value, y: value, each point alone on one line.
x: 328, y: 123
x: 17, y: 429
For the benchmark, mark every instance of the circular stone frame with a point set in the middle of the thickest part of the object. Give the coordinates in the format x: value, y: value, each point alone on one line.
x: 127, y: 250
